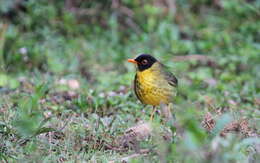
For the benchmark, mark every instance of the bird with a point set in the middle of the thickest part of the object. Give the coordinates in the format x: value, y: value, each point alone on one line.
x: 154, y: 84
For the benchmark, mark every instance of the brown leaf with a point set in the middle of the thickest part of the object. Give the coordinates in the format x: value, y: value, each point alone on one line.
x: 208, y: 122
x: 257, y: 101
x: 134, y: 135
x: 240, y: 126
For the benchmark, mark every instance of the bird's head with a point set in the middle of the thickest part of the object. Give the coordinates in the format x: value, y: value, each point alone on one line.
x: 143, y: 61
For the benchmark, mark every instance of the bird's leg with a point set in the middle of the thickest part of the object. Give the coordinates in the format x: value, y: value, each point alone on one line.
x: 166, y: 111
x: 152, y: 115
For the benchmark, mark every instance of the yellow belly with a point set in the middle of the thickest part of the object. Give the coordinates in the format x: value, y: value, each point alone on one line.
x: 151, y: 88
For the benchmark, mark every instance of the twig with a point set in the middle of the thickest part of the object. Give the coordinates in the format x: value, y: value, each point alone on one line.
x: 172, y: 6
x: 3, y: 28
x: 202, y: 59
x: 142, y: 152
x: 196, y: 57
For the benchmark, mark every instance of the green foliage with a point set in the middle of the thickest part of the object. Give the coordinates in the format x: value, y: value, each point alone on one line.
x: 44, y: 45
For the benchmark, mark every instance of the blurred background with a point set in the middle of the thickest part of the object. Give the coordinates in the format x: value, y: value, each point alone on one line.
x: 59, y: 58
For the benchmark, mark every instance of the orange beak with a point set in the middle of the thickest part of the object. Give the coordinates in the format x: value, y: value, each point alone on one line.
x: 132, y: 61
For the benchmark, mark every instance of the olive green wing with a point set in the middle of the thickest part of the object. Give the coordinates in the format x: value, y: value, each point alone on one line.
x: 172, y: 80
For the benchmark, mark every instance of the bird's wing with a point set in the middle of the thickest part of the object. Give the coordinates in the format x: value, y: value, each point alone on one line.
x: 135, y: 88
x: 172, y: 80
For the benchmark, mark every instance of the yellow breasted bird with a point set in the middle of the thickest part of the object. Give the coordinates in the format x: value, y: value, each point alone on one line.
x: 153, y: 84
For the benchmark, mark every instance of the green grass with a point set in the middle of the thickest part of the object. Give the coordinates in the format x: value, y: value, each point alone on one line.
x: 66, y: 88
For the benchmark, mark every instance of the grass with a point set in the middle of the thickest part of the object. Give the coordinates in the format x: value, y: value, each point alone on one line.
x: 66, y: 88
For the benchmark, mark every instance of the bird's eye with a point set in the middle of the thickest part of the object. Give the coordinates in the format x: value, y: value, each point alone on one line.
x: 144, y: 62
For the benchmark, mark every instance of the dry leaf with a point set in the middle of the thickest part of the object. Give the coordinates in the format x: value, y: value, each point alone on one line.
x: 208, y: 122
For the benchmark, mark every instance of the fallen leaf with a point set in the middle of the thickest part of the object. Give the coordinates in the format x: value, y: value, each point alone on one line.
x: 208, y: 122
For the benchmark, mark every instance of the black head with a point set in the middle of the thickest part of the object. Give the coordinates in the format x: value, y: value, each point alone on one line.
x: 144, y: 61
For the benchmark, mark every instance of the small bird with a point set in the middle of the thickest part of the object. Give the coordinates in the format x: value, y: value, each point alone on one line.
x: 153, y: 84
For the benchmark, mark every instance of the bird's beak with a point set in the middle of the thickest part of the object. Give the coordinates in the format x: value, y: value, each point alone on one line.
x: 132, y: 61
